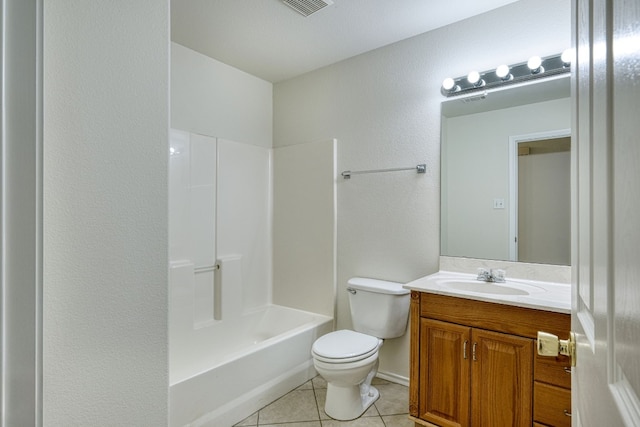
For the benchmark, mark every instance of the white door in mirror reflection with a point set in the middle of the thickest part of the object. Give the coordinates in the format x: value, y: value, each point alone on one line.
x: 540, y: 186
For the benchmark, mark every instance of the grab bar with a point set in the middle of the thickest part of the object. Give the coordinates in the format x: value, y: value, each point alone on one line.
x: 207, y: 268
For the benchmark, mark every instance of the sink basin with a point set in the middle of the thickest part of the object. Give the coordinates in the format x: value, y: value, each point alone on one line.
x: 476, y: 286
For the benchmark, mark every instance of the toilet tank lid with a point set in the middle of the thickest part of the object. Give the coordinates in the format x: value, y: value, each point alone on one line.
x: 378, y: 286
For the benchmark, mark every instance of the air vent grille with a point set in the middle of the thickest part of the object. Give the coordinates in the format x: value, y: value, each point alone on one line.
x: 307, y: 7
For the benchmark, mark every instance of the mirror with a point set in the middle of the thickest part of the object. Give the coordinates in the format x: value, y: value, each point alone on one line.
x: 505, y: 173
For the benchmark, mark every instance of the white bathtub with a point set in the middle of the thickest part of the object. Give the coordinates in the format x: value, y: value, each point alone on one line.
x: 251, y: 361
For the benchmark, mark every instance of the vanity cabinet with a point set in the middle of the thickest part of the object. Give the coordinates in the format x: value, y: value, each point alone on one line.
x: 474, y: 363
x: 462, y: 365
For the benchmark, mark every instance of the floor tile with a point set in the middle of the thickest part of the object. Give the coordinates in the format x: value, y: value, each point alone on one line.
x: 319, y: 382
x: 296, y: 406
x: 304, y: 407
x: 306, y: 386
x: 397, y: 421
x: 394, y: 399
x: 379, y: 381
x: 250, y: 421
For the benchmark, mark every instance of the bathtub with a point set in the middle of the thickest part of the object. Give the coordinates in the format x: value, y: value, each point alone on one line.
x: 249, y: 363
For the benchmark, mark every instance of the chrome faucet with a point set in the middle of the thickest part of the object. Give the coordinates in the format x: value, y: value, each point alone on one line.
x: 492, y: 275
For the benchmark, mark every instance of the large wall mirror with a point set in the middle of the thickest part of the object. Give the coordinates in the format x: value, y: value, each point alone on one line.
x: 505, y: 174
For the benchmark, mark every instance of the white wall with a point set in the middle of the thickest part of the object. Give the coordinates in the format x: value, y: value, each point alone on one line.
x: 384, y: 109
x: 477, y: 160
x: 304, y: 226
x: 214, y: 99
x: 105, y: 213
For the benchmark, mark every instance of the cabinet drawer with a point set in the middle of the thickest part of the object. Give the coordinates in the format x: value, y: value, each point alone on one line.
x: 551, y: 405
x: 553, y: 370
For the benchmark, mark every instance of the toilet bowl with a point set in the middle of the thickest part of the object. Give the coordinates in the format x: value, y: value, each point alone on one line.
x: 348, y: 361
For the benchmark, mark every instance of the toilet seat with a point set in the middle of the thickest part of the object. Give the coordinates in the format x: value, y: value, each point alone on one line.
x: 345, y: 346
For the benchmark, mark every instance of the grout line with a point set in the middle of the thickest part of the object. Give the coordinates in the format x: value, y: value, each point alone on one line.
x: 315, y: 396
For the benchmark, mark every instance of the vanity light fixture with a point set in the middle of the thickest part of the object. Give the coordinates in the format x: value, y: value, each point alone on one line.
x: 536, y: 67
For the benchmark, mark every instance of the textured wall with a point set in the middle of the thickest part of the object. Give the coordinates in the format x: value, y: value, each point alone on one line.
x: 105, y: 243
x: 304, y: 226
x: 214, y: 99
x: 383, y: 107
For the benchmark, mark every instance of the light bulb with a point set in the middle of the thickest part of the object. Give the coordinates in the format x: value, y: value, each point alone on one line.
x: 566, y: 57
x: 503, y: 72
x: 473, y: 77
x: 448, y: 83
x: 535, y: 64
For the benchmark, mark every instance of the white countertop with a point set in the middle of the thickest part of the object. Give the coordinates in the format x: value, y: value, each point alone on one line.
x: 548, y: 296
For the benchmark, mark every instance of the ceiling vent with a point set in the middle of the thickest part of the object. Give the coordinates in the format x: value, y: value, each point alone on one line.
x: 307, y: 7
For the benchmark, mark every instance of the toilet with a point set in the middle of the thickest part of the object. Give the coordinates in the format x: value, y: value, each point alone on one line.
x: 348, y: 360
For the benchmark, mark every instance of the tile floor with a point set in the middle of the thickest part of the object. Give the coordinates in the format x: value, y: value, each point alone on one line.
x: 304, y: 407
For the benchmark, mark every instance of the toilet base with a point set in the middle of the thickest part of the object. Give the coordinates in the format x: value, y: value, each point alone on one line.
x: 348, y: 403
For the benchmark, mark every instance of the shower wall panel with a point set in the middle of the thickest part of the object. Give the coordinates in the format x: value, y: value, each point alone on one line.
x: 192, y: 216
x: 244, y: 216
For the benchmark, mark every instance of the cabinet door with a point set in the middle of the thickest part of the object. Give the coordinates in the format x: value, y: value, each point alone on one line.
x: 444, y: 373
x: 502, y: 379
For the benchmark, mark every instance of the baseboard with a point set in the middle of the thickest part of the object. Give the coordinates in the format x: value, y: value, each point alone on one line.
x: 394, y: 378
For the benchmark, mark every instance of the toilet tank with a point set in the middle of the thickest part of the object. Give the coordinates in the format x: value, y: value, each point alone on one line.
x: 378, y: 307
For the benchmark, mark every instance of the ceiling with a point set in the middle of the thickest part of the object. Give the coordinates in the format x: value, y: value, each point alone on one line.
x: 269, y: 40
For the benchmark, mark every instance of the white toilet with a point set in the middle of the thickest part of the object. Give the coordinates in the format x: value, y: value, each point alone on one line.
x: 348, y: 360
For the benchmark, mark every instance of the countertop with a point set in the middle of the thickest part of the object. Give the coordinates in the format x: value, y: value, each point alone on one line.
x: 547, y: 296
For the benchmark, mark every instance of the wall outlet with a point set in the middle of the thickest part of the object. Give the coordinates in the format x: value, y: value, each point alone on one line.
x: 498, y: 203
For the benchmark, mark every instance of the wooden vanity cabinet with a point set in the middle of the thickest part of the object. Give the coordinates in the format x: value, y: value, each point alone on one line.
x: 472, y: 363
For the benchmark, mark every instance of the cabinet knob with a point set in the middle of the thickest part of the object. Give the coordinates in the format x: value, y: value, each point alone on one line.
x: 550, y: 345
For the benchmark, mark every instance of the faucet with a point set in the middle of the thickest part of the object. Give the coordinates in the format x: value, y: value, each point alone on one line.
x: 492, y: 275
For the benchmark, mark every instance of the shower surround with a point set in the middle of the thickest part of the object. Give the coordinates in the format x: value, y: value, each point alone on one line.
x: 234, y: 345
